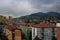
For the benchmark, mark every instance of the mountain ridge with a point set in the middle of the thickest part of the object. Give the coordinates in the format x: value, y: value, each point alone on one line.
x: 39, y: 15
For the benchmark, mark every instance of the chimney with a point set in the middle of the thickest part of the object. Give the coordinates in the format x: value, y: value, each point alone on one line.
x: 10, y: 19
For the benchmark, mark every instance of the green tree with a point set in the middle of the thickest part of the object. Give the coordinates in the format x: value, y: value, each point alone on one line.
x: 3, y: 37
x: 36, y: 38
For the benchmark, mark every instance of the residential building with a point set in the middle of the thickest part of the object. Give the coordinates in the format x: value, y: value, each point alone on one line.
x: 10, y: 19
x: 44, y: 30
x: 43, y: 33
x: 58, y: 31
x: 18, y: 35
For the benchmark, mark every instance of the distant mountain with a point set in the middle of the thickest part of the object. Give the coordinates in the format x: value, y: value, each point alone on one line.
x: 39, y: 15
x: 48, y: 14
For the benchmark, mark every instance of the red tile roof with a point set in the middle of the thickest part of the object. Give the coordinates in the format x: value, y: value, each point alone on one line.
x: 48, y: 25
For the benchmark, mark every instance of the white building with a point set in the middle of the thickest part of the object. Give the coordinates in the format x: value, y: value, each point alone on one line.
x: 36, y: 32
x: 43, y: 33
x: 58, y: 24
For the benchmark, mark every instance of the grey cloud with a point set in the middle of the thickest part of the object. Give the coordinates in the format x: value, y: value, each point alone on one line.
x: 46, y: 5
x: 25, y: 7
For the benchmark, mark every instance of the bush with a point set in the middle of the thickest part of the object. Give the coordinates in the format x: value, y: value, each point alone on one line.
x: 36, y: 38
x: 23, y: 37
x: 1, y: 23
x: 3, y: 37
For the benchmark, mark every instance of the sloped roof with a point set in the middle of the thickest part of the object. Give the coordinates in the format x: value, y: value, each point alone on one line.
x: 45, y: 24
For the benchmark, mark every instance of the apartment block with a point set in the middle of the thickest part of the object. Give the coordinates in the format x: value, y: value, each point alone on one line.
x: 10, y: 19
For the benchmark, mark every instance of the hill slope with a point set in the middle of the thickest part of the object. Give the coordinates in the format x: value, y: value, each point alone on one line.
x: 39, y: 15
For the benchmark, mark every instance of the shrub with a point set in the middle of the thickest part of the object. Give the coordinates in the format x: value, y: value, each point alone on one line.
x: 36, y: 38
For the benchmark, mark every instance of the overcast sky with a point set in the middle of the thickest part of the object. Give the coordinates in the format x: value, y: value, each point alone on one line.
x: 18, y: 8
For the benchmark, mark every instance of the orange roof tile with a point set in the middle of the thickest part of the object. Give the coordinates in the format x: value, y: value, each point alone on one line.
x: 48, y: 25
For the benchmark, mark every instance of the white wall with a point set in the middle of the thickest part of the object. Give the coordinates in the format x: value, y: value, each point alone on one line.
x: 34, y: 32
x: 58, y: 24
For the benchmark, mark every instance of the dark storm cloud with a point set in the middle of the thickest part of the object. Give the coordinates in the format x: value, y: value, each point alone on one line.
x: 25, y: 7
x: 46, y: 5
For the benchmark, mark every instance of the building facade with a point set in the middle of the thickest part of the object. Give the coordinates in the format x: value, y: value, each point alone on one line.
x: 43, y: 33
x: 18, y: 35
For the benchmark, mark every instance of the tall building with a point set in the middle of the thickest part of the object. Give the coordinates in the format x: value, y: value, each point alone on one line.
x: 4, y: 19
x: 1, y: 18
x: 43, y: 33
x: 36, y: 32
x: 10, y: 19
x: 2, y: 27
